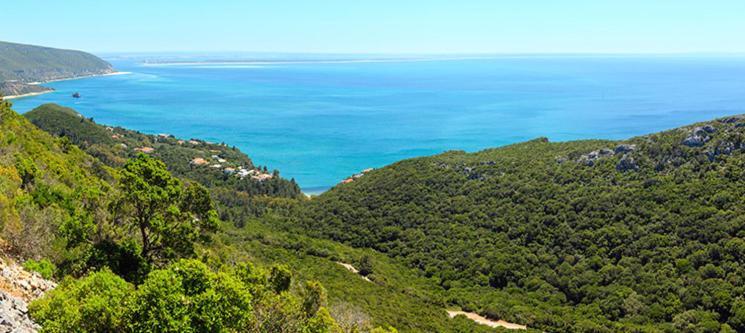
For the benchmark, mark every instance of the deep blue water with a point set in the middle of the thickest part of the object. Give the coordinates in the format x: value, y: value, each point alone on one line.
x: 321, y: 122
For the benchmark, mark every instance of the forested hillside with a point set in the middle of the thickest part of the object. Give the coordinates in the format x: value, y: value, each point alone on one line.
x: 242, y: 189
x: 646, y: 234
x: 29, y: 63
x: 76, y: 219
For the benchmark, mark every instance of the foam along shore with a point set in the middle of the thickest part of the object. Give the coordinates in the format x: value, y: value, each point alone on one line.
x: 26, y: 95
x: 81, y: 77
x: 486, y: 321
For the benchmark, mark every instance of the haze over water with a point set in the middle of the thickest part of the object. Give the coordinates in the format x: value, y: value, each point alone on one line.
x: 321, y: 121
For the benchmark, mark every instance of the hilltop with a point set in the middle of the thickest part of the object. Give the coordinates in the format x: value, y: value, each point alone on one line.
x: 23, y: 66
x: 644, y: 234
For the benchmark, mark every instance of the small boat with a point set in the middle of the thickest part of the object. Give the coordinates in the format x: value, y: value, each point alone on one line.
x: 76, y: 95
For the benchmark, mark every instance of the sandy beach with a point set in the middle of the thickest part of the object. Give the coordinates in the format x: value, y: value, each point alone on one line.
x: 81, y: 77
x: 26, y: 95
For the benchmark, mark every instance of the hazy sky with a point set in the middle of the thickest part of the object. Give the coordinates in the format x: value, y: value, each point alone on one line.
x: 380, y: 26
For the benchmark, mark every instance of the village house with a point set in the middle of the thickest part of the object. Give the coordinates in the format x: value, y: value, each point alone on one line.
x: 198, y: 161
x: 146, y: 150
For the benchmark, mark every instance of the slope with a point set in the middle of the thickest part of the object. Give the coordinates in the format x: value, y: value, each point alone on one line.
x: 642, y: 234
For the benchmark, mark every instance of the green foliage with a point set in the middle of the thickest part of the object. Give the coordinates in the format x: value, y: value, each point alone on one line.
x: 189, y: 297
x: 169, y: 218
x: 314, y: 296
x: 186, y: 296
x: 44, y: 186
x: 28, y: 63
x: 545, y: 234
x: 280, y: 278
x: 365, y: 265
x: 399, y: 297
x: 95, y: 303
x: 44, y: 267
x: 114, y: 146
x: 321, y: 322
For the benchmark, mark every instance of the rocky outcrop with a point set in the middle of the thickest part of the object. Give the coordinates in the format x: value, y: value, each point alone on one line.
x: 624, y: 148
x: 699, y: 136
x: 627, y: 163
x: 14, y: 315
x: 592, y: 157
x: 18, y: 287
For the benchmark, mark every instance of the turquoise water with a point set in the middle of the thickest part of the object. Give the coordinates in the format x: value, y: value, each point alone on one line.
x: 320, y: 122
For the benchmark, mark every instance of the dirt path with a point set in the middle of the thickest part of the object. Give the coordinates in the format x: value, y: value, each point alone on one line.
x: 488, y: 322
x: 353, y: 270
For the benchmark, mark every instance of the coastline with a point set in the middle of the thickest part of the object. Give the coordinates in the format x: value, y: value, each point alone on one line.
x: 26, y: 95
x: 9, y: 97
x: 80, y: 77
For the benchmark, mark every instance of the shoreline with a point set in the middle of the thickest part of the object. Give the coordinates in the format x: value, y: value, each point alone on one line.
x: 26, y: 95
x: 79, y: 77
x: 9, y: 97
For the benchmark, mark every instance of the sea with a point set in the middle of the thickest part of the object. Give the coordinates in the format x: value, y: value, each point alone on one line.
x: 321, y: 118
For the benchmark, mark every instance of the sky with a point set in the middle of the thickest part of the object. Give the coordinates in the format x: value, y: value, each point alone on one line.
x: 380, y: 26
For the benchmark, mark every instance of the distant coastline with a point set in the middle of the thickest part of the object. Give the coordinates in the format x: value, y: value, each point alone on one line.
x: 37, y: 93
x: 80, y: 77
x: 26, y: 95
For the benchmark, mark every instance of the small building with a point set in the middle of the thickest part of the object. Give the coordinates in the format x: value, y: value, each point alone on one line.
x: 146, y: 150
x: 198, y: 161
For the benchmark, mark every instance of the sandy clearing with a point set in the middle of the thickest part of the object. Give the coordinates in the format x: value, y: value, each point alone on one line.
x: 353, y: 270
x: 485, y: 321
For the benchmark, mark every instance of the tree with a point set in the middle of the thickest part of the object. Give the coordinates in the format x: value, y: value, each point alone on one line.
x: 365, y: 265
x: 314, y: 297
x: 168, y: 216
x: 280, y: 278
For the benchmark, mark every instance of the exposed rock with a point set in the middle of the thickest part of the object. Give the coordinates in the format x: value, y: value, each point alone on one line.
x: 730, y: 120
x: 627, y: 163
x: 624, y: 148
x: 707, y: 129
x: 590, y: 158
x: 17, y: 288
x: 699, y: 136
x: 14, y: 315
x: 724, y: 148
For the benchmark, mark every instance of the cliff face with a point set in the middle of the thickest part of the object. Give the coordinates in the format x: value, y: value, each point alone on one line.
x: 28, y: 63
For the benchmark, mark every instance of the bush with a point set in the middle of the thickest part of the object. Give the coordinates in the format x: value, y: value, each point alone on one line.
x: 44, y: 267
x: 95, y: 303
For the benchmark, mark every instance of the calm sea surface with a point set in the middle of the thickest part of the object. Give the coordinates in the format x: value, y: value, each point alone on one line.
x: 320, y: 122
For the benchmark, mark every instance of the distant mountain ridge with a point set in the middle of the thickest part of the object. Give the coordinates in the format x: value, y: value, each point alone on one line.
x: 22, y: 65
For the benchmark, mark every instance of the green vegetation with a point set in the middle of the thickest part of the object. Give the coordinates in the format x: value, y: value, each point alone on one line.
x: 44, y: 267
x: 187, y: 296
x: 87, y: 211
x: 640, y: 235
x: 238, y: 198
x: 643, y: 235
x: 28, y: 63
x: 18, y: 88
x: 46, y: 186
x: 396, y: 296
x: 169, y: 218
